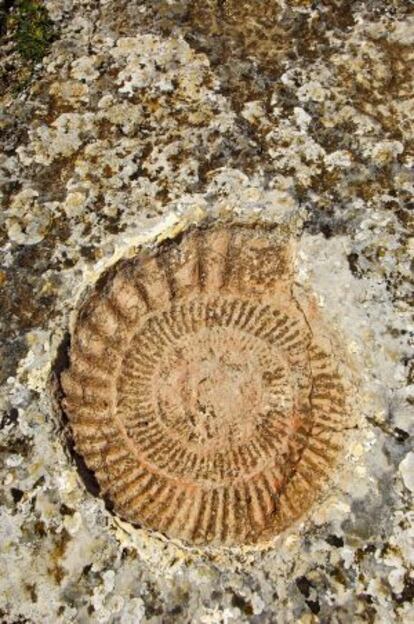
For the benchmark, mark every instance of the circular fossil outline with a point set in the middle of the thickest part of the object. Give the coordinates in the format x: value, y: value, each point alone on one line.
x: 228, y: 273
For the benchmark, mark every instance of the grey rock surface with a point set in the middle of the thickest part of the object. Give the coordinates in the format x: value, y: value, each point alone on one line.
x: 143, y: 118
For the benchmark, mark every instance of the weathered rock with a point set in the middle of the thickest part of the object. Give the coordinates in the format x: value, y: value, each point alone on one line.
x: 142, y: 122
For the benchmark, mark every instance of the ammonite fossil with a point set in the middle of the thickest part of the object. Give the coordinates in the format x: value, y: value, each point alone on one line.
x: 205, y: 398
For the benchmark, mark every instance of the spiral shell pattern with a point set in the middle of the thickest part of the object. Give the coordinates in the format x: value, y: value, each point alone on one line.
x: 201, y: 393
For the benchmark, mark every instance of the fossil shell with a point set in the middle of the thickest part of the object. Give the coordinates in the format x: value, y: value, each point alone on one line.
x: 201, y: 393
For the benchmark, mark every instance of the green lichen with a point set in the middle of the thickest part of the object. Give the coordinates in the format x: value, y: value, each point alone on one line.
x: 26, y: 33
x: 32, y: 29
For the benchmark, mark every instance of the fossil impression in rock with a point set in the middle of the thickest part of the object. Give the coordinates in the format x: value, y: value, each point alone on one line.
x: 201, y: 392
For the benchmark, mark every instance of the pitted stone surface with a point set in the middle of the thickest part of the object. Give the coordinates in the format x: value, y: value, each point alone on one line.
x: 142, y: 118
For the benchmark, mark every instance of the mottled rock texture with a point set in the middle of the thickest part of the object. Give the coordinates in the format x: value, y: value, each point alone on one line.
x: 123, y: 123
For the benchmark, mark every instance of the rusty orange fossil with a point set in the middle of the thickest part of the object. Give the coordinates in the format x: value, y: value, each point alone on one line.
x: 199, y: 390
